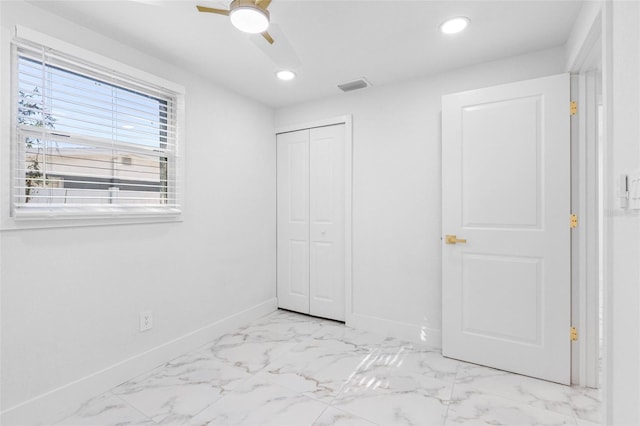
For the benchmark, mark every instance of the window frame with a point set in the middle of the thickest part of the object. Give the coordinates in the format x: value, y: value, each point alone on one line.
x: 78, y: 215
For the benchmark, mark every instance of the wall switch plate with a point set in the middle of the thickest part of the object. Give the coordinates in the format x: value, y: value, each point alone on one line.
x: 634, y: 190
x: 623, y: 192
x: 146, y: 320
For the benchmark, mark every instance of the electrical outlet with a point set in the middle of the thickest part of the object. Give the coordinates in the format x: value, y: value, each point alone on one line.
x: 146, y: 320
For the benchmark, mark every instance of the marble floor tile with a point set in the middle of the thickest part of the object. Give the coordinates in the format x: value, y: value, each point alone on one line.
x: 106, y: 409
x: 327, y: 342
x: 320, y: 365
x: 587, y: 423
x: 290, y: 369
x: 521, y: 389
x: 587, y: 404
x: 393, y: 344
x: 349, y: 338
x: 366, y: 341
x: 470, y: 406
x: 405, y: 372
x: 411, y: 362
x: 254, y: 347
x: 383, y: 393
x: 176, y: 391
x: 250, y: 356
x: 394, y: 408
x: 321, y: 380
x: 258, y: 402
x: 285, y: 325
x: 334, y: 417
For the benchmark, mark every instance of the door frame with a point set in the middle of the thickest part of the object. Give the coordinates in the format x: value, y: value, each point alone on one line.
x: 585, y: 199
x: 347, y: 120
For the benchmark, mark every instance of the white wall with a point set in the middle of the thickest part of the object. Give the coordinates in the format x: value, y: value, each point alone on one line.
x: 622, y: 267
x: 582, y: 35
x: 71, y: 297
x: 396, y: 188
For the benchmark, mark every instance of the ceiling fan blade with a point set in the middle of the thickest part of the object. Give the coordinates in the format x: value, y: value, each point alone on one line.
x: 263, y: 3
x: 212, y: 10
x: 268, y: 37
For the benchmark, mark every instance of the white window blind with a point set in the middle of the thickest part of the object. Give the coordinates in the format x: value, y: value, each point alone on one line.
x: 90, y: 141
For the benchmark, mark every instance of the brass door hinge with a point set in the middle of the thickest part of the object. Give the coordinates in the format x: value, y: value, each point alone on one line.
x: 574, y: 334
x: 573, y: 221
x: 573, y: 108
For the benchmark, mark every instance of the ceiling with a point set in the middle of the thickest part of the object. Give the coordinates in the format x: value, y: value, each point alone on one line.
x: 327, y: 42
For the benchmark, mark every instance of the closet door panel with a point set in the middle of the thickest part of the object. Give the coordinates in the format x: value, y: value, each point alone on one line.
x: 293, y: 221
x: 326, y: 221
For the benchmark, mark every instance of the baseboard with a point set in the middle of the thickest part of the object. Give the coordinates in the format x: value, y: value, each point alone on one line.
x: 59, y: 403
x: 401, y: 330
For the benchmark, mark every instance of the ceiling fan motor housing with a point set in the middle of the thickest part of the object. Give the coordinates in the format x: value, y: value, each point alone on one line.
x: 249, y: 16
x: 250, y: 4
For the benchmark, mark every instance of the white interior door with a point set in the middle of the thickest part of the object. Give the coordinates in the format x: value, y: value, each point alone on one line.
x: 327, y: 208
x: 311, y: 221
x: 506, y: 191
x: 293, y: 221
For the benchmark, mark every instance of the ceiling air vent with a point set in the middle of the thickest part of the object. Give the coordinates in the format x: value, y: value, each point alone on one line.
x: 354, y: 85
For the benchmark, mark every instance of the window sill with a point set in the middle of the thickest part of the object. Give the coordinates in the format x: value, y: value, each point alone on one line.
x: 72, y: 219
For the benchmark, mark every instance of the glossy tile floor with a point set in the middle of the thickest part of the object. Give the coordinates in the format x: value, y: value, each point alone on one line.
x: 290, y: 369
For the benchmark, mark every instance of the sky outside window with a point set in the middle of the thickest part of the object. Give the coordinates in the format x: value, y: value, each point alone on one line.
x: 85, y: 106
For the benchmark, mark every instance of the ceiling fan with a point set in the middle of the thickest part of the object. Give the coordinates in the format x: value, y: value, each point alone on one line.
x: 249, y: 16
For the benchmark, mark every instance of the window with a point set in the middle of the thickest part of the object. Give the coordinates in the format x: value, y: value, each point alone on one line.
x: 89, y: 141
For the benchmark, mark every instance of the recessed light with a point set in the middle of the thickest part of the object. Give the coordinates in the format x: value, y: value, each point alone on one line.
x: 454, y: 25
x: 127, y: 127
x: 286, y: 75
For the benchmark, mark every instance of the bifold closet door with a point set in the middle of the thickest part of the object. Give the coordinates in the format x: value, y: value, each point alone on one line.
x: 311, y: 208
x: 293, y: 221
x: 326, y: 221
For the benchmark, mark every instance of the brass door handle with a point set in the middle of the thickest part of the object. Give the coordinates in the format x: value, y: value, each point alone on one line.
x: 452, y: 239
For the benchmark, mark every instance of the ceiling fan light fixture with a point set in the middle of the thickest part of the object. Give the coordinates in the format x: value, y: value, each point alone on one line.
x: 454, y: 25
x: 249, y: 19
x: 286, y: 75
